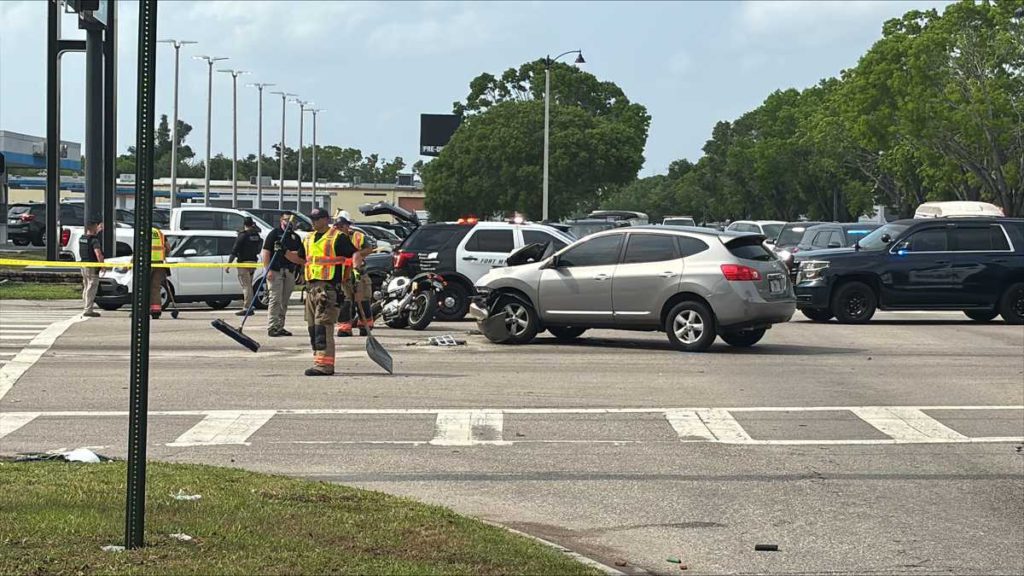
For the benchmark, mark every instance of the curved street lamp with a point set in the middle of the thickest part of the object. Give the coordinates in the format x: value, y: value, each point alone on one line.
x: 548, y: 62
x: 259, y: 145
x: 234, y: 131
x: 174, y: 126
x: 209, y: 117
x: 280, y: 183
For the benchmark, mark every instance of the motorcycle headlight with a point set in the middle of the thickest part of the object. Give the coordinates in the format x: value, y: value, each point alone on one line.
x: 811, y: 270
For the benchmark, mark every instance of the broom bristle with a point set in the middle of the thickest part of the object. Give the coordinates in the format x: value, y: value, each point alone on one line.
x: 236, y: 335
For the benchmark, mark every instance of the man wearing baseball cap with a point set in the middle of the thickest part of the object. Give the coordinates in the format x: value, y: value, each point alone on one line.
x: 323, y: 255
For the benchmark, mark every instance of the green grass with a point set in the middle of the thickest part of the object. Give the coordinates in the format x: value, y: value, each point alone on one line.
x: 55, y: 517
x: 11, y: 290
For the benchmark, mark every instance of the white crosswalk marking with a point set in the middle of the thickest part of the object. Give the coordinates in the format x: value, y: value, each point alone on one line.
x: 907, y: 424
x: 36, y: 346
x: 467, y: 427
x: 12, y: 421
x: 689, y: 426
x: 724, y: 427
x: 227, y: 427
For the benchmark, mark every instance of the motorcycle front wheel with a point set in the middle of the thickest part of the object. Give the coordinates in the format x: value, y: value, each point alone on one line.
x: 422, y: 309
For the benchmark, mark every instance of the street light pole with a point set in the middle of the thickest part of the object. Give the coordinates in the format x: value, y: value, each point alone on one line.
x: 234, y: 130
x: 548, y: 62
x: 302, y: 116
x: 209, y: 117
x: 314, y: 111
x: 174, y: 126
x: 280, y: 182
x: 259, y: 152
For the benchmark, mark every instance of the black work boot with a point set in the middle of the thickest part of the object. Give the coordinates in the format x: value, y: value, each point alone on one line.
x: 319, y: 371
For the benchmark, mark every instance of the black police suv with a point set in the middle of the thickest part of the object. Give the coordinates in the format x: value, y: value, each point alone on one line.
x: 971, y: 264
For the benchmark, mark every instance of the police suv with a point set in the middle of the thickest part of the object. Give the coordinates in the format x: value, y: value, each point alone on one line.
x: 462, y: 252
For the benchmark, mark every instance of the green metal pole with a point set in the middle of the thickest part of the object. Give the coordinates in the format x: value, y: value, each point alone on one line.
x: 135, y: 513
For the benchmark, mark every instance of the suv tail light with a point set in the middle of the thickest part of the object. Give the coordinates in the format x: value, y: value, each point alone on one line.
x: 400, y: 258
x: 27, y: 217
x: 65, y: 237
x: 740, y: 273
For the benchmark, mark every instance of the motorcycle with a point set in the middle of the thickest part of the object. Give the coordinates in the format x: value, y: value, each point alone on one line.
x: 408, y: 302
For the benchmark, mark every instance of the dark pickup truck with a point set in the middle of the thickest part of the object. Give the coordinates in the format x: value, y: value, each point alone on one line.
x: 971, y: 264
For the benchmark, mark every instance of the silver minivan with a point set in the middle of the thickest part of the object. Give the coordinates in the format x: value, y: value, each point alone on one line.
x: 692, y: 283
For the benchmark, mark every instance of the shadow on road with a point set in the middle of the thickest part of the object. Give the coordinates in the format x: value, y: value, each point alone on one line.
x: 658, y: 345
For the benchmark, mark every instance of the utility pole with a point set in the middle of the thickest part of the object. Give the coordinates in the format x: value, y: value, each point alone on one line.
x: 209, y: 117
x: 314, y: 111
x: 234, y: 131
x: 548, y: 62
x: 174, y: 126
x: 302, y: 116
x: 259, y: 145
x: 280, y: 182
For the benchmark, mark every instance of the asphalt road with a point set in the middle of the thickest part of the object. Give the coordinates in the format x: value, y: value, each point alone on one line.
x: 894, y: 447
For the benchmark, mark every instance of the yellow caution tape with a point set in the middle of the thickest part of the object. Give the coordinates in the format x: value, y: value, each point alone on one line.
x: 73, y: 264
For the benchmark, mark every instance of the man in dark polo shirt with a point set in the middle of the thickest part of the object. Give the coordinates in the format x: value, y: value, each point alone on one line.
x: 280, y: 272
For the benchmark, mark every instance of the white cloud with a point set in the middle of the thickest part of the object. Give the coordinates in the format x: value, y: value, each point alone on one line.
x: 817, y: 20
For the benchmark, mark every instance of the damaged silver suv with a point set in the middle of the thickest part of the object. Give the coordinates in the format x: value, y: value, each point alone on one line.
x: 694, y: 284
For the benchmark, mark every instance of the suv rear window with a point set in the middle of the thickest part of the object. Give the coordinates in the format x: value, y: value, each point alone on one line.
x: 15, y: 210
x: 491, y: 241
x: 749, y: 248
x: 432, y: 238
x: 980, y: 239
x: 650, y: 248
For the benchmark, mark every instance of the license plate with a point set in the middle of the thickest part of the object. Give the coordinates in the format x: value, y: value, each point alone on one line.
x: 776, y: 284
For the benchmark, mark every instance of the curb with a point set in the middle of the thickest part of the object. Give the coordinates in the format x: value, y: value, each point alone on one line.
x: 574, y: 555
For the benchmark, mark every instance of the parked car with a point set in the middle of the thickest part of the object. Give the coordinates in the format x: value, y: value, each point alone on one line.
x: 273, y: 216
x: 971, y: 264
x: 678, y: 221
x: 770, y: 229
x: 790, y: 235
x: 385, y: 239
x: 462, y: 253
x: 26, y: 223
x: 833, y: 235
x: 628, y: 216
x: 693, y: 285
x: 218, y: 287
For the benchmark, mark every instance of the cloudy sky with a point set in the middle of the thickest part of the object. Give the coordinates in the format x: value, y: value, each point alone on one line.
x: 376, y: 66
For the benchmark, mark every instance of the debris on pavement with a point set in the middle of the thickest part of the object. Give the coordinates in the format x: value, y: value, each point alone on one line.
x: 181, y: 495
x: 620, y: 562
x: 445, y: 340
x: 83, y: 455
x: 181, y: 536
x: 766, y: 547
x: 112, y: 548
x: 673, y: 560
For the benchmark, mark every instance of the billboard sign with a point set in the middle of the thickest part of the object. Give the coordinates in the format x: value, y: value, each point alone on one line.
x: 435, y: 132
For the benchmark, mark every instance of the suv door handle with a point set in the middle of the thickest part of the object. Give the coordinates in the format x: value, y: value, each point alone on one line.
x: 469, y: 258
x: 601, y: 277
x: 668, y: 274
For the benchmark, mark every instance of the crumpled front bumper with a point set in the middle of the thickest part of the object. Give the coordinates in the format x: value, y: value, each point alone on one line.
x: 492, y: 326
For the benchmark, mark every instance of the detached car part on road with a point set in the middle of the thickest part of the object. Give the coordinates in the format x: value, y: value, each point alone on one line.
x: 971, y: 264
x: 693, y: 284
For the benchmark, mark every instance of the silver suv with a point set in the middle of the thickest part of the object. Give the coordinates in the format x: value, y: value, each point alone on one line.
x: 692, y: 283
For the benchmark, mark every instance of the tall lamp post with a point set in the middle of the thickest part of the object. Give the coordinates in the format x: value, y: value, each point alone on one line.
x: 209, y: 117
x: 259, y: 144
x: 314, y: 111
x: 548, y: 62
x: 302, y: 115
x: 174, y: 126
x: 280, y: 182
x: 234, y: 133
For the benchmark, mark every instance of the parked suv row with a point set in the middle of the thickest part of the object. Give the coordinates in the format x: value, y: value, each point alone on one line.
x: 971, y: 264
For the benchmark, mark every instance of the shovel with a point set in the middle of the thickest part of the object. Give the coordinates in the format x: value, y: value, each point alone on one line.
x: 374, y: 350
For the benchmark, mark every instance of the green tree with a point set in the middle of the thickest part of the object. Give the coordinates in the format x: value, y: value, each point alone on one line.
x: 493, y: 163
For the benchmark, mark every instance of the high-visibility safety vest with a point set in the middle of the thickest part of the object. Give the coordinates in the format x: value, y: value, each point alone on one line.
x: 357, y: 242
x: 158, y: 247
x: 320, y: 257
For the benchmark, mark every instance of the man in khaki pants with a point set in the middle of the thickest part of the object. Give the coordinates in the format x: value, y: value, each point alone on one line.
x: 90, y: 250
x: 246, y: 250
x: 280, y: 272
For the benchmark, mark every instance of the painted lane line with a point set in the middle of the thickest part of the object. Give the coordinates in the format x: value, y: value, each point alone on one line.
x: 487, y: 426
x: 723, y: 426
x: 28, y: 336
x: 688, y: 426
x: 10, y: 422
x: 224, y: 428
x: 908, y: 425
x: 12, y: 371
